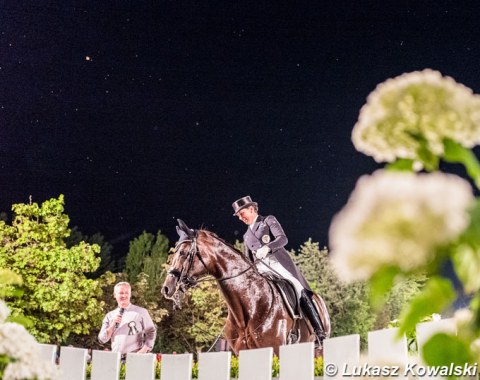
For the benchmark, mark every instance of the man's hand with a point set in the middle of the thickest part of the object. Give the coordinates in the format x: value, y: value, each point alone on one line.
x: 143, y: 350
x: 117, y: 320
x: 262, y: 252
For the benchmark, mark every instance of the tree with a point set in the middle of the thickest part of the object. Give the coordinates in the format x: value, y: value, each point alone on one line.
x: 57, y: 298
x: 106, y: 261
x: 139, y: 248
x: 348, y: 305
x: 148, y: 254
x: 198, y: 324
x: 398, y: 297
x: 154, y: 264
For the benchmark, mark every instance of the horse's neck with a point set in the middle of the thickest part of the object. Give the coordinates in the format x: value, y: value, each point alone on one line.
x: 240, y: 289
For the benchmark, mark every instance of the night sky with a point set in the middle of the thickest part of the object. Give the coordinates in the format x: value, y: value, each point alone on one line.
x: 144, y: 112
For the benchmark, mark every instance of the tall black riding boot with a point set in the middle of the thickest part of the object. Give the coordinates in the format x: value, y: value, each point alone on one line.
x: 311, y: 313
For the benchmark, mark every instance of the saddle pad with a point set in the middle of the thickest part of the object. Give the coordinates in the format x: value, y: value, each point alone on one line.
x: 288, y: 293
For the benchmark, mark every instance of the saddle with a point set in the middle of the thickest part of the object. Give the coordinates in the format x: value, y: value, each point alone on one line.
x: 288, y: 293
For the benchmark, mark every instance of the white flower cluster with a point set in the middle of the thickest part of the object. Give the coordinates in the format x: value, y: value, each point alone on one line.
x: 462, y: 318
x: 421, y: 103
x: 4, y: 311
x: 398, y: 219
x: 17, y: 344
x: 33, y: 369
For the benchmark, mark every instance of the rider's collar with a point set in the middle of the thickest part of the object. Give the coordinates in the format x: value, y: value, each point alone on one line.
x: 255, y: 221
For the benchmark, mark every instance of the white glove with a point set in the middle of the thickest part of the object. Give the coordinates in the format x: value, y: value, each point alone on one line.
x: 262, y: 252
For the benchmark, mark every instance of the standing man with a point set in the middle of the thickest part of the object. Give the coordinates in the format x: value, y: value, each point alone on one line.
x: 264, y: 243
x: 129, y: 326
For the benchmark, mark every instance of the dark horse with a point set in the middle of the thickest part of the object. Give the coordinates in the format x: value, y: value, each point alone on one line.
x: 257, y: 315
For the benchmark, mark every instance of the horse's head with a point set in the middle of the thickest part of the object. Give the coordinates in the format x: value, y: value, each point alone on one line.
x: 185, y: 267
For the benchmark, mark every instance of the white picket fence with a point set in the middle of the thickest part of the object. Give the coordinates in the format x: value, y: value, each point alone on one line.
x: 296, y: 361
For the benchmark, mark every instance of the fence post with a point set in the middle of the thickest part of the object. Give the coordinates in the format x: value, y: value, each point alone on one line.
x: 296, y: 361
x: 176, y: 367
x: 105, y: 365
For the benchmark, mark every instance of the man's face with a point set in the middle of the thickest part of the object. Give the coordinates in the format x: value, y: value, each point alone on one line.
x: 247, y: 215
x: 122, y: 294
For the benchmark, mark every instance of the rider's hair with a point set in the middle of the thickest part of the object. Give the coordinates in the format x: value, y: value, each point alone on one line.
x: 120, y: 284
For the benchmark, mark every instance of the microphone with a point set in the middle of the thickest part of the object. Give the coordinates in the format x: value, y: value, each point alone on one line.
x: 122, y: 310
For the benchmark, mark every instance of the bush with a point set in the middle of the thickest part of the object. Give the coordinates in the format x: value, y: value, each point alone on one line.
x: 318, y: 366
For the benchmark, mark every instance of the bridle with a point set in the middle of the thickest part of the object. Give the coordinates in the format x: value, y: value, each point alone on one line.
x: 184, y: 279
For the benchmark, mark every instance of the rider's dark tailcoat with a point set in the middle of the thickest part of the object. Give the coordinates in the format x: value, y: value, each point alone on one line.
x: 268, y: 231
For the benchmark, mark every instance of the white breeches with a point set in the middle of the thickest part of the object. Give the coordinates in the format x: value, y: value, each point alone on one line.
x: 280, y: 269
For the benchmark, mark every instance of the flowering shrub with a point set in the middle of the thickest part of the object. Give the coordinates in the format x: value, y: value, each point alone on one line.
x: 398, y: 223
x: 19, y: 351
x: 411, y: 115
x: 390, y: 215
x: 318, y: 366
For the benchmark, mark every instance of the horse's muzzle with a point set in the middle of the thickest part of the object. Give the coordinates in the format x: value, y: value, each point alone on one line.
x: 169, y: 286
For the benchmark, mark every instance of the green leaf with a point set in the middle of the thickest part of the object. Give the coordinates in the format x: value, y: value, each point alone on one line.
x: 444, y: 349
x: 21, y: 320
x: 437, y: 294
x: 402, y: 164
x: 475, y: 307
x: 472, y: 234
x: 429, y: 160
x: 380, y: 283
x: 456, y: 153
x: 466, y: 261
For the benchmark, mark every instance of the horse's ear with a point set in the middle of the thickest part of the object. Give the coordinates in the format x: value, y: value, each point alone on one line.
x: 184, y: 228
x: 182, y: 225
x: 182, y: 234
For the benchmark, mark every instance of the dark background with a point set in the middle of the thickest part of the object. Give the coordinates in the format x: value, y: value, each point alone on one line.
x: 144, y: 112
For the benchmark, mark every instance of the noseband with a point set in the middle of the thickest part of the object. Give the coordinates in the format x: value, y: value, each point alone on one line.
x: 183, y: 277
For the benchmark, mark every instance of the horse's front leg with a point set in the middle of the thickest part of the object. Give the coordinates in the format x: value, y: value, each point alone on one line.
x: 234, y: 339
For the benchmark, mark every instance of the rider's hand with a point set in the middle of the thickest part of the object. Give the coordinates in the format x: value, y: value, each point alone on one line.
x: 262, y: 252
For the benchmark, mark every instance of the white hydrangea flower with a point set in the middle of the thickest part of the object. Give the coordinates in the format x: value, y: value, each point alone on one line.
x: 475, y: 347
x: 422, y: 103
x: 32, y: 368
x: 397, y: 218
x: 462, y: 317
x: 16, y: 342
x: 4, y: 311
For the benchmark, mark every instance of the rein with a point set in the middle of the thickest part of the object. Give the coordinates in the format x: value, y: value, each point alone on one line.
x: 183, y: 276
x: 235, y: 275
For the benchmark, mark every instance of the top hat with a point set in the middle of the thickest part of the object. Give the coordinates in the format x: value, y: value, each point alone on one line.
x: 241, y: 203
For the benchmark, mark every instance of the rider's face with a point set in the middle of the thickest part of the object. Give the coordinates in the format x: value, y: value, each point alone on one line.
x: 247, y: 215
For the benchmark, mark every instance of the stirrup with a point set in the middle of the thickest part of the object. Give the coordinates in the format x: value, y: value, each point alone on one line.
x: 318, y: 342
